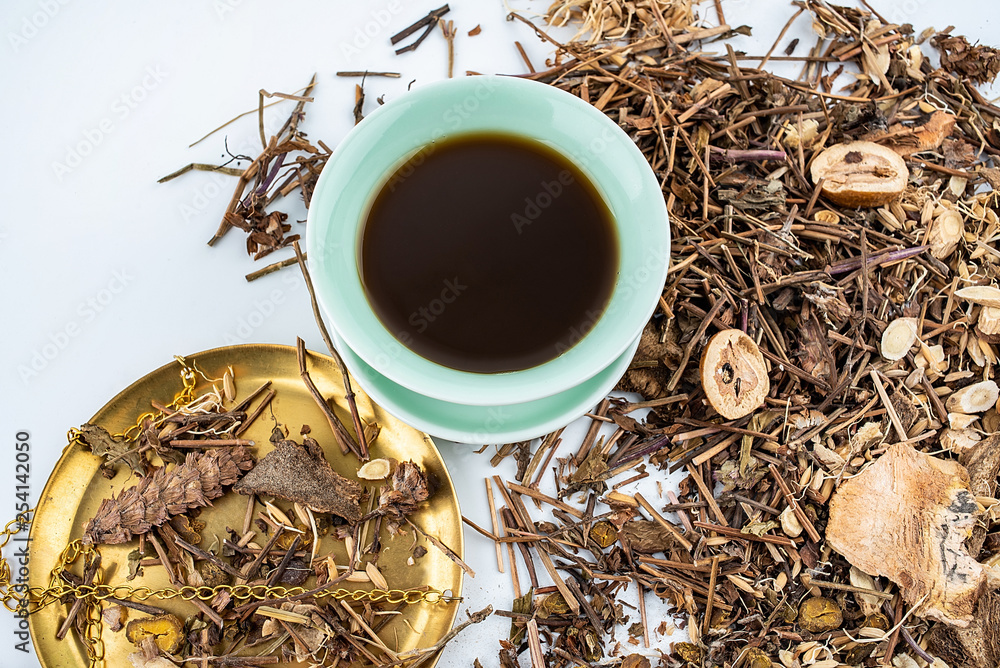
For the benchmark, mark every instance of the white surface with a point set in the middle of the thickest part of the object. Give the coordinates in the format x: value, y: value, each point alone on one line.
x: 106, y: 274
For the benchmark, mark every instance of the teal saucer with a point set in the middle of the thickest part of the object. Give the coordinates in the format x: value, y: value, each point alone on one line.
x: 484, y: 424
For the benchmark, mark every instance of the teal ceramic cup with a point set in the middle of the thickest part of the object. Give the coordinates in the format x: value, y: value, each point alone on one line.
x: 395, y: 133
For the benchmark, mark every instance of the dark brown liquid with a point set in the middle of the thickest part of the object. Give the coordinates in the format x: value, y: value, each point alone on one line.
x: 489, y: 253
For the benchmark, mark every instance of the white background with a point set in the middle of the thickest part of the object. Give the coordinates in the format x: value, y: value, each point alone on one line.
x: 105, y: 274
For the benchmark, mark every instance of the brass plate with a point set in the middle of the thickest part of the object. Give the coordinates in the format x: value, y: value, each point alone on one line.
x: 75, y: 490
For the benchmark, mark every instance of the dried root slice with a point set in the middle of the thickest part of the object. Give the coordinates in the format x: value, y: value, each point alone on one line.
x: 989, y: 322
x: 166, y: 630
x: 933, y: 359
x: 984, y: 295
x: 376, y: 469
x: 975, y: 398
x: 906, y: 517
x: 897, y: 338
x: 860, y: 174
x: 961, y: 420
x: 790, y: 523
x: 946, y: 231
x: 733, y: 374
x: 959, y: 440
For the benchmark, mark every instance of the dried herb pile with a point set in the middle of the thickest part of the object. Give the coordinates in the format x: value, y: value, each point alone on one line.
x: 881, y: 445
x: 263, y: 590
x: 850, y: 235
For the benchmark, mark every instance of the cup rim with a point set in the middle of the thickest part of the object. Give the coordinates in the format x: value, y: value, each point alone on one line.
x: 389, y: 136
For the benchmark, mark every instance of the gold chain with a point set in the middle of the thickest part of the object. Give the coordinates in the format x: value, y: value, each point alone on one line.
x: 17, y: 597
x: 189, y: 378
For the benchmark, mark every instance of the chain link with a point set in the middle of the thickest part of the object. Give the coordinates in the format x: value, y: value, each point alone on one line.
x: 17, y: 597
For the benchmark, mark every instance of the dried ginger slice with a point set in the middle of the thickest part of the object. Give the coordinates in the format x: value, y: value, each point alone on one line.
x: 906, y: 517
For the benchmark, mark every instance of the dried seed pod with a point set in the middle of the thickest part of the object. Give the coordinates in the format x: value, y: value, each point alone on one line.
x: 984, y: 295
x: 166, y: 492
x: 376, y: 469
x: 976, y: 398
x: 945, y: 233
x: 820, y: 614
x: 212, y: 574
x: 756, y: 658
x: 733, y: 374
x: 167, y: 630
x: 897, y: 338
x: 603, y: 533
x: 860, y: 174
x: 686, y: 651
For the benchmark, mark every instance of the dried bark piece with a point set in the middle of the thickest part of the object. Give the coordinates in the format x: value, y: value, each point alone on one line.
x: 984, y: 295
x: 982, y: 461
x: 897, y: 338
x: 733, y: 374
x: 976, y: 398
x: 166, y: 630
x: 297, y: 473
x: 860, y: 174
x: 167, y: 492
x: 906, y: 517
x: 945, y: 233
x: 977, y: 646
x: 927, y: 137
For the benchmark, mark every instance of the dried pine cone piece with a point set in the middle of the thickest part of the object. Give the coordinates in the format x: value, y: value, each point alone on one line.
x: 167, y: 492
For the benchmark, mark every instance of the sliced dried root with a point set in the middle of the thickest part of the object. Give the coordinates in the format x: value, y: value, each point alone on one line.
x: 733, y: 374
x: 984, y: 295
x: 945, y: 233
x: 860, y: 174
x: 989, y: 321
x: 166, y: 630
x: 376, y: 469
x: 975, y: 398
x: 898, y: 337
